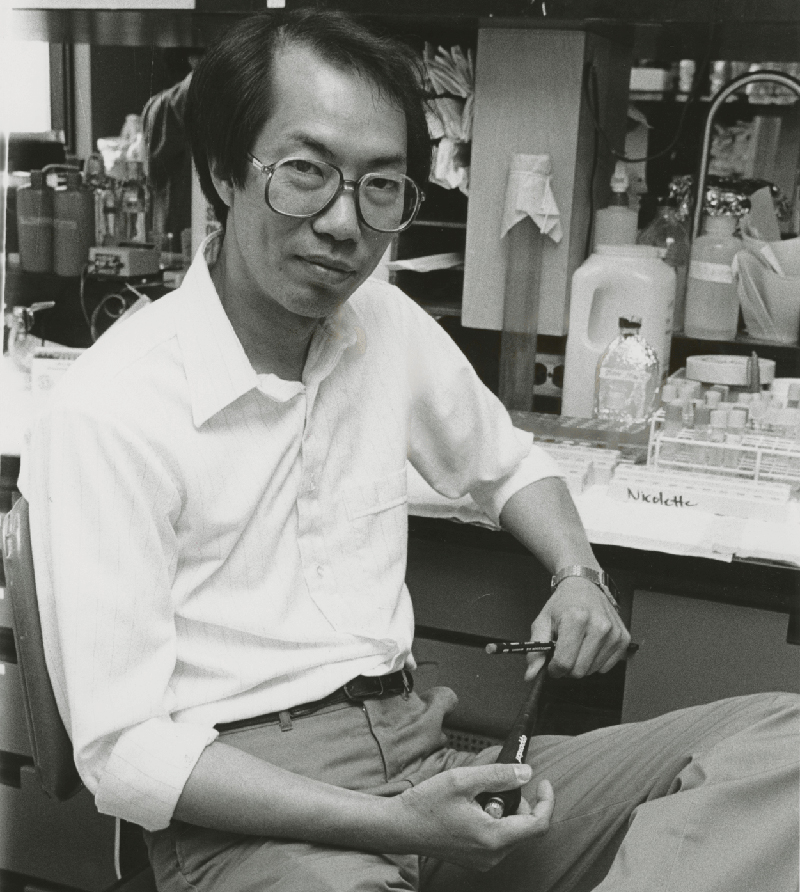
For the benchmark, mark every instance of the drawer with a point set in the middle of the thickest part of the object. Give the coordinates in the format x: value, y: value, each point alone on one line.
x: 474, y: 590
x: 695, y: 651
x: 61, y: 842
x: 13, y: 730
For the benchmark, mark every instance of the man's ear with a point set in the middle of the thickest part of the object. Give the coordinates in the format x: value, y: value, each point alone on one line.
x: 224, y: 187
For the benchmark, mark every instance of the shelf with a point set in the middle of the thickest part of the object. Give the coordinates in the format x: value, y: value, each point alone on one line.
x: 440, y: 224
x: 440, y: 307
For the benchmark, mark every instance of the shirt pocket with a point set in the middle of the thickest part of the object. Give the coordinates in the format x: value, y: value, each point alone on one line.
x: 377, y: 508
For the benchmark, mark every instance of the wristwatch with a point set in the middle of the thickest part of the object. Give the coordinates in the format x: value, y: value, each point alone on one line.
x: 599, y: 577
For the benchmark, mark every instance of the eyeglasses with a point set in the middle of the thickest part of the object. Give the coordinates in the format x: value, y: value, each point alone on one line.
x: 298, y: 187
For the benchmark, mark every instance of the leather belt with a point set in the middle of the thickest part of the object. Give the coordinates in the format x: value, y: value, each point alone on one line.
x: 362, y: 687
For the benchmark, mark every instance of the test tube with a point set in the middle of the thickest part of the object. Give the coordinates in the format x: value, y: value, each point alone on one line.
x: 669, y: 392
x: 702, y: 434
x: 719, y: 423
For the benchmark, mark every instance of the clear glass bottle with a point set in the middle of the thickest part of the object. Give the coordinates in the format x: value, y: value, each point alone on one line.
x: 134, y: 205
x: 105, y: 200
x: 628, y: 380
x: 669, y: 231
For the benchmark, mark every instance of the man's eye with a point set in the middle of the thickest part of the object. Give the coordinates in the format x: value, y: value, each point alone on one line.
x: 305, y: 168
x: 383, y: 184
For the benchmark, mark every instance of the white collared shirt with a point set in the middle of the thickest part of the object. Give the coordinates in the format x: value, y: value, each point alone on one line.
x: 212, y: 544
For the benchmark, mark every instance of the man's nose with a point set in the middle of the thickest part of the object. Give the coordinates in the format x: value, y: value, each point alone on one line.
x: 340, y: 219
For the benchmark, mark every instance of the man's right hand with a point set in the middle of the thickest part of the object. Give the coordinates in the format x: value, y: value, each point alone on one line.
x: 440, y: 817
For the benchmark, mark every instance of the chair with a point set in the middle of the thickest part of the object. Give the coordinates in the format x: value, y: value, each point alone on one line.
x: 50, y: 744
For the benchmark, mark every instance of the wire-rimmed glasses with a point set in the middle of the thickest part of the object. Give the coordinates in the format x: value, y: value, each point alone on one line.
x: 301, y: 187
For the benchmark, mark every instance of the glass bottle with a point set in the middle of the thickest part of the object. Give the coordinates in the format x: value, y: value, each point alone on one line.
x: 105, y: 200
x: 134, y: 205
x: 627, y: 382
x: 669, y: 232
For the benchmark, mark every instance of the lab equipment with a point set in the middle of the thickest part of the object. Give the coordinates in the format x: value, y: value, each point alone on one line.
x: 628, y: 377
x: 616, y: 280
x: 669, y: 232
x: 712, y: 298
x: 73, y: 211
x: 35, y: 224
x: 617, y: 223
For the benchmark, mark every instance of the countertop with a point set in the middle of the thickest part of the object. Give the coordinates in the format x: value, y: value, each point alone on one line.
x: 688, y: 532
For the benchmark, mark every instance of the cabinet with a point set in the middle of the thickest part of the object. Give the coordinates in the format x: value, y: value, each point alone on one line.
x: 694, y: 651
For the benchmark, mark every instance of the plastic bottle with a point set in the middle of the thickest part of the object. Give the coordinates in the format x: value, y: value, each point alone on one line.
x: 134, y: 205
x: 35, y: 224
x: 670, y: 232
x: 628, y: 378
x: 614, y: 281
x: 616, y: 224
x: 74, y: 226
x: 712, y: 299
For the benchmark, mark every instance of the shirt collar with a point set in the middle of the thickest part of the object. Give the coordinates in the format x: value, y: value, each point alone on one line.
x: 218, y: 371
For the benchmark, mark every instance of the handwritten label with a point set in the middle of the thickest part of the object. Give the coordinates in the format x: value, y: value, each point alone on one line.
x: 638, y: 495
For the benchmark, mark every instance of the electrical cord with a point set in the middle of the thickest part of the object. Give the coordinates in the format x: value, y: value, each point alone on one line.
x: 591, y: 92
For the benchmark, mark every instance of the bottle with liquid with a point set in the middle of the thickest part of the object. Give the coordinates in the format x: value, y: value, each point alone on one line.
x: 74, y: 226
x: 617, y: 223
x: 134, y: 205
x: 712, y: 298
x: 616, y: 280
x: 35, y: 224
x: 628, y: 378
x: 105, y: 200
x: 669, y: 232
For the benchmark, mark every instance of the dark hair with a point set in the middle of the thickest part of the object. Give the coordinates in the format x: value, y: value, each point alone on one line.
x: 230, y: 93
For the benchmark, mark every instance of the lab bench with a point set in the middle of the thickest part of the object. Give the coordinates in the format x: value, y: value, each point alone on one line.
x: 706, y: 629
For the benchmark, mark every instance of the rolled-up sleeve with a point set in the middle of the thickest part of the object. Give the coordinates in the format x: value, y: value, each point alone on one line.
x: 461, y: 438
x: 103, y: 507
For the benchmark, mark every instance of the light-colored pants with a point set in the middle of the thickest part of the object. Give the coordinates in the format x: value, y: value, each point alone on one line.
x: 699, y: 800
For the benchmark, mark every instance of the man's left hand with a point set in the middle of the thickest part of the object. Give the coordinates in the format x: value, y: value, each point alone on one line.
x: 590, y: 635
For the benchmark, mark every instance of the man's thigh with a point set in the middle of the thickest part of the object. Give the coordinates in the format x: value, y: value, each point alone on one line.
x: 187, y: 859
x: 600, y: 779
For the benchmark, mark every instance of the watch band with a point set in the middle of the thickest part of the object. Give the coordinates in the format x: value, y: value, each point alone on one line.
x: 599, y: 577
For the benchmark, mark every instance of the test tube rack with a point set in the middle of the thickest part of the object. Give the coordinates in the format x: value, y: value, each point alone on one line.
x: 755, y: 455
x: 676, y: 490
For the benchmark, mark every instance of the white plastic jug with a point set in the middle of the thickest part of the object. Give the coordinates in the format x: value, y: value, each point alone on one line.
x: 616, y: 280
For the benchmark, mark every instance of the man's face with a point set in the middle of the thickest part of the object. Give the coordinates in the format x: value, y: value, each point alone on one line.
x: 311, y: 266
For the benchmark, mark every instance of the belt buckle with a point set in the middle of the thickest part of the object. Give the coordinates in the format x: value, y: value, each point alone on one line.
x: 359, y: 689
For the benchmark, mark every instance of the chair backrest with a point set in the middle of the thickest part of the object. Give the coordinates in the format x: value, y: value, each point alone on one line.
x: 51, y: 746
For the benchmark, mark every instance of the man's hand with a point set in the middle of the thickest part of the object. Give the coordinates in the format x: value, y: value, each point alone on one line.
x: 591, y: 636
x: 441, y: 818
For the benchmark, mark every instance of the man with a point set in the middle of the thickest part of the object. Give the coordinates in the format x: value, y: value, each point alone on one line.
x: 218, y: 510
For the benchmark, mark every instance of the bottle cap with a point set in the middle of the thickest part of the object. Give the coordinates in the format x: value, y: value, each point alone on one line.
x: 713, y: 398
x: 673, y: 413
x: 737, y: 417
x: 669, y: 392
x: 719, y: 418
x: 702, y: 416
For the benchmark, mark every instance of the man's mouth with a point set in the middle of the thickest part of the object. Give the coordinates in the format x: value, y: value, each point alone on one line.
x: 329, y: 264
